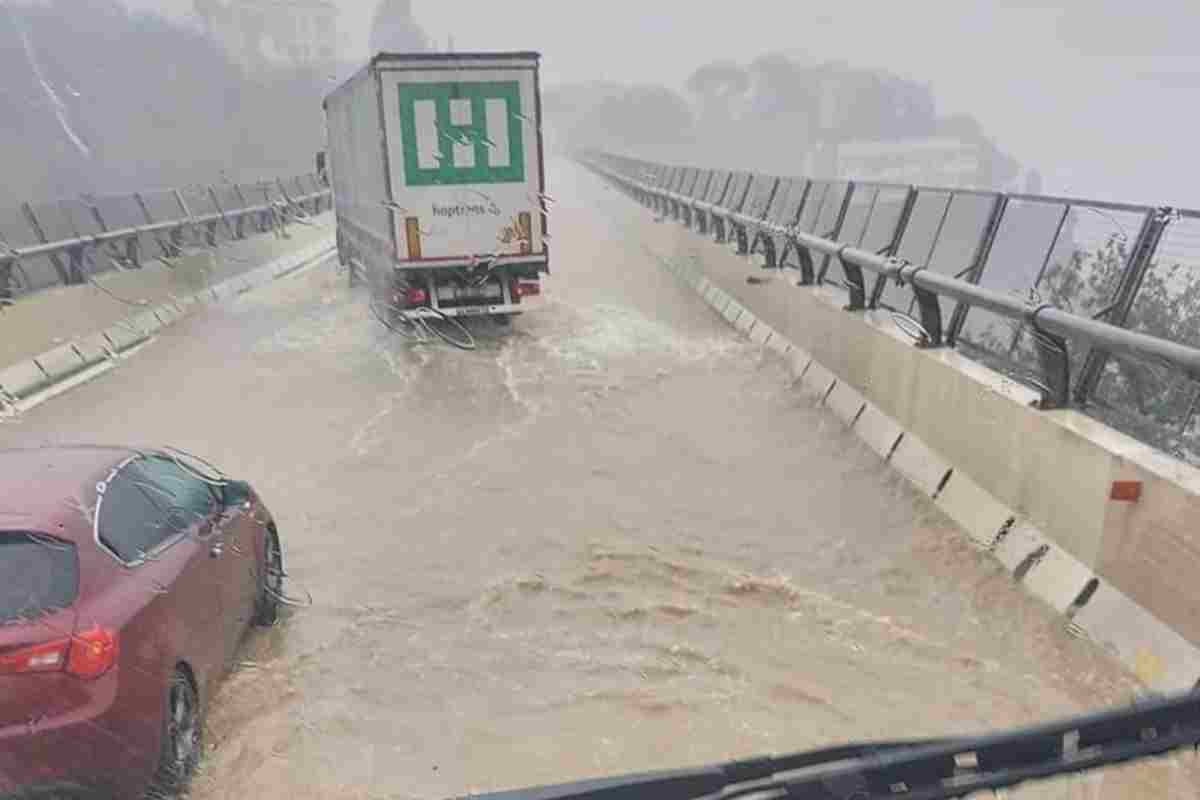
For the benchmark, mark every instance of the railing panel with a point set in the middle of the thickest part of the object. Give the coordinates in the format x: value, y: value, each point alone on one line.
x: 717, y: 186
x: 1150, y: 399
x: 735, y: 197
x: 916, y: 245
x: 817, y: 193
x: 961, y: 240
x: 1023, y: 246
x: 885, y: 216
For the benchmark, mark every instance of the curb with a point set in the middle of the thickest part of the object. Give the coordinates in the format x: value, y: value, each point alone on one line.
x: 1160, y: 658
x: 29, y: 381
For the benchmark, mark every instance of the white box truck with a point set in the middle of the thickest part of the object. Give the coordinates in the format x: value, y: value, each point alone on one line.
x: 436, y: 166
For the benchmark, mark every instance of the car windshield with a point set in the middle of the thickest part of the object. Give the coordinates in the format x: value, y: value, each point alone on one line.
x: 428, y: 399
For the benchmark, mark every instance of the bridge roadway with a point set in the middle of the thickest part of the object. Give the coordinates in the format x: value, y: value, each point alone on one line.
x: 611, y: 539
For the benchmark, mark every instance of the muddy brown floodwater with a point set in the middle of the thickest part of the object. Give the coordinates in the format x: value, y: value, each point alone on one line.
x: 610, y: 539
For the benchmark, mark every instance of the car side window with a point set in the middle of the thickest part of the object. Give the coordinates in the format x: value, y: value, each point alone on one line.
x: 149, y: 501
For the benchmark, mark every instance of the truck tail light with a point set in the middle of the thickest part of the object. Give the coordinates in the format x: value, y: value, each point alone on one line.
x: 526, y: 289
x: 93, y: 653
x: 416, y: 296
x: 525, y: 222
x: 412, y: 234
x: 44, y: 657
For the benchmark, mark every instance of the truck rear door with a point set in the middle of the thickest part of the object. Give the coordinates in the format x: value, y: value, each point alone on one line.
x: 464, y: 157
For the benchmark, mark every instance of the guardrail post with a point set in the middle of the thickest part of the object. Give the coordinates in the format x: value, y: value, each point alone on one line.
x: 6, y: 273
x: 241, y: 220
x: 141, y: 201
x: 928, y: 305
x: 808, y: 275
x: 833, y: 234
x: 75, y: 257
x: 910, y: 202
x: 1140, y: 261
x: 212, y: 193
x: 854, y: 284
x: 1055, y: 361
x: 40, y: 232
x: 177, y: 232
x: 974, y: 270
x: 95, y: 213
x: 131, y: 251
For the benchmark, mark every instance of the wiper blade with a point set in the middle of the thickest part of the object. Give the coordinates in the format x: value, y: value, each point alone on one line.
x: 1001, y: 760
x: 918, y: 769
x: 688, y: 784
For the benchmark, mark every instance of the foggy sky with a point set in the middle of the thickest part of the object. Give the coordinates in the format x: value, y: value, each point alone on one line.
x: 1097, y: 94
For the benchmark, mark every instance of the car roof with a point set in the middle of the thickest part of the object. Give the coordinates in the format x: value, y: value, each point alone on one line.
x: 39, y: 484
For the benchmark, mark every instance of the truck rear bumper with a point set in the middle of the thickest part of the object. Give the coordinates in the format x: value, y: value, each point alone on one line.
x: 485, y: 310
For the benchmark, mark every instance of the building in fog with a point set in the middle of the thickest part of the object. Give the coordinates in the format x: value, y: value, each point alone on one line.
x: 394, y: 29
x: 935, y: 161
x: 273, y: 33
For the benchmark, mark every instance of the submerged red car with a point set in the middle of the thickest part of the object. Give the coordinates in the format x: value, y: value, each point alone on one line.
x: 127, y: 579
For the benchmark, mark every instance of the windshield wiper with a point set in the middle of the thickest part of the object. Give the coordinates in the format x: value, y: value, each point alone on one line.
x: 919, y: 769
x: 686, y: 784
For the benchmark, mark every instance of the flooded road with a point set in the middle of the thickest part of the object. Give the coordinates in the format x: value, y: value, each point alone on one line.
x: 610, y: 539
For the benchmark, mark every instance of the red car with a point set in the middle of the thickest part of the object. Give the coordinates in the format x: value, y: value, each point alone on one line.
x: 127, y: 579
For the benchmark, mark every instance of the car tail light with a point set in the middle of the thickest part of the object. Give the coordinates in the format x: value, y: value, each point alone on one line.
x: 45, y: 657
x: 416, y: 295
x: 93, y: 652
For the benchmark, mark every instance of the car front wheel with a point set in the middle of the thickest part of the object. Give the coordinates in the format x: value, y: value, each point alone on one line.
x: 182, y: 738
x: 270, y: 581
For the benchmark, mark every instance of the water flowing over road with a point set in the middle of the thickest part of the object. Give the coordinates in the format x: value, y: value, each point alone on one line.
x: 610, y: 539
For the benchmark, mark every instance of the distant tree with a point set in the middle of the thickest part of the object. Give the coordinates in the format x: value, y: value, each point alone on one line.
x: 85, y: 114
x: 632, y: 120
x: 718, y: 87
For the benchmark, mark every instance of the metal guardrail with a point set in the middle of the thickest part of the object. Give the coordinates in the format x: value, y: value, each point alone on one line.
x: 66, y: 235
x: 827, y: 223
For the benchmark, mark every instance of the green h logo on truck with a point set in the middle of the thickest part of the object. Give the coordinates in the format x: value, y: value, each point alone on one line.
x: 462, y: 132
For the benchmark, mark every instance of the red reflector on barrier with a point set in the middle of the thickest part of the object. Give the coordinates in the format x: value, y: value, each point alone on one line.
x: 1126, y: 491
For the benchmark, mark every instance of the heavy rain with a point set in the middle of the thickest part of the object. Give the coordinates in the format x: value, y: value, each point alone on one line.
x: 607, y: 532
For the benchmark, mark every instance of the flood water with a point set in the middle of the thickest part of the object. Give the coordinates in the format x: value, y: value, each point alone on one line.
x: 611, y: 539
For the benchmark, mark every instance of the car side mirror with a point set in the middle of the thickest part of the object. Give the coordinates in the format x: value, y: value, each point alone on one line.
x: 236, y: 494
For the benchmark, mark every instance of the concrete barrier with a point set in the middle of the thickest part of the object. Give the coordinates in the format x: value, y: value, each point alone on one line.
x: 846, y: 403
x: 31, y: 379
x: 760, y: 333
x: 980, y: 515
x: 816, y: 382
x: 22, y: 379
x: 61, y: 363
x: 94, y: 348
x: 879, y: 431
x: 924, y: 468
x: 125, y: 336
x: 147, y: 322
x: 1032, y: 487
